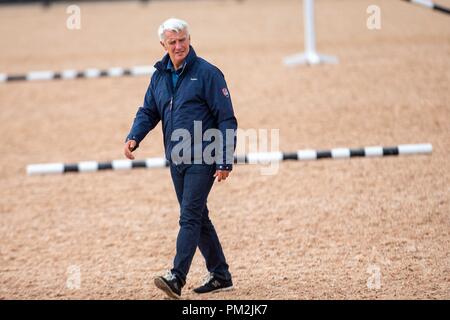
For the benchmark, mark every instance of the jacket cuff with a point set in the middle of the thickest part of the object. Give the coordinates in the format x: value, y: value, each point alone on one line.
x: 133, y: 138
x: 227, y: 167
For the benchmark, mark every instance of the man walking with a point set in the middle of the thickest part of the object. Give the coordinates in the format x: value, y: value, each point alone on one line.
x: 188, y: 93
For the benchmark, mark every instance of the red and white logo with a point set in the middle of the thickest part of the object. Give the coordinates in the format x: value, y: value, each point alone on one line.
x: 225, y: 92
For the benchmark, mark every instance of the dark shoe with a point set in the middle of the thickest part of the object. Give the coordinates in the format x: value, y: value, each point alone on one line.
x: 214, y: 284
x: 170, y: 284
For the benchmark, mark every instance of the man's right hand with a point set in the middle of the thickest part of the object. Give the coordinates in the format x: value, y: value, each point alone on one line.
x: 128, y: 149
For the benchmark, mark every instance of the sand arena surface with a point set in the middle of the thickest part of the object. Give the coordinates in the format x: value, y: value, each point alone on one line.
x: 316, y: 230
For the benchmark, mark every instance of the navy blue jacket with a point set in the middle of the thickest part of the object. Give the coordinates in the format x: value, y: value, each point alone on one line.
x: 201, y: 94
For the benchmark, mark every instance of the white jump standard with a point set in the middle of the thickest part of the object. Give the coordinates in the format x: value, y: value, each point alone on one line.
x: 74, y: 74
x: 310, y: 56
x: 252, y: 158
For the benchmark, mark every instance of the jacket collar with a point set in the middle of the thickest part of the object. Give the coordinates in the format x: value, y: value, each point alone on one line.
x: 190, y: 60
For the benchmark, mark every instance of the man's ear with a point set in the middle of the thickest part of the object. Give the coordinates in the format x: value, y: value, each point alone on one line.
x: 163, y: 45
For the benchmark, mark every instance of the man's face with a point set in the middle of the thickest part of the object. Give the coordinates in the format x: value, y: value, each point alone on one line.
x: 177, y: 46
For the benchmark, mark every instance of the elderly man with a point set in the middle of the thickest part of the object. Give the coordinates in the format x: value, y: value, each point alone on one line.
x: 187, y: 93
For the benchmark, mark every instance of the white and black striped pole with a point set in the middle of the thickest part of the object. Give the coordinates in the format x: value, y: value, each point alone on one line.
x: 91, y: 166
x: 430, y: 4
x: 74, y: 74
x: 252, y: 158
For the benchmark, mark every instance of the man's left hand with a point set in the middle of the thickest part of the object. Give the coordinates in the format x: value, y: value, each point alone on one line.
x: 221, y: 175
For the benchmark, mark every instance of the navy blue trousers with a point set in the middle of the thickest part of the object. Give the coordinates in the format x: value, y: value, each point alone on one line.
x: 192, y: 183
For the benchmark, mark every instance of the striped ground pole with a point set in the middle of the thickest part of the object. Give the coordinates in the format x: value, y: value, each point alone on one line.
x: 251, y: 158
x: 430, y: 4
x: 74, y: 74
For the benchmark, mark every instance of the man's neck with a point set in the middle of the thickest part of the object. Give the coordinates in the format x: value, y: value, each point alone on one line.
x: 176, y: 67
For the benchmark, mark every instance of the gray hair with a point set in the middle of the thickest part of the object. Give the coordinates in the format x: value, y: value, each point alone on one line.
x: 172, y: 24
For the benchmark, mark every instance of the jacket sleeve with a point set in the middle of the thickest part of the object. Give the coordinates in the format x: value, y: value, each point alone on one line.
x: 219, y: 101
x: 147, y: 117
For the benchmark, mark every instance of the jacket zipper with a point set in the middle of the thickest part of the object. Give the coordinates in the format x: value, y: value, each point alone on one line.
x: 171, y: 104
